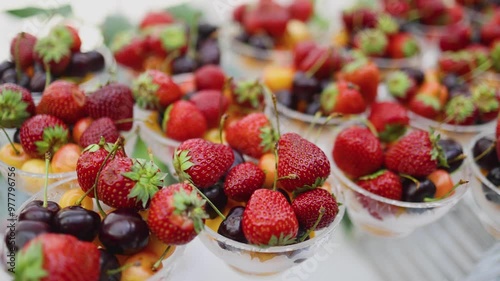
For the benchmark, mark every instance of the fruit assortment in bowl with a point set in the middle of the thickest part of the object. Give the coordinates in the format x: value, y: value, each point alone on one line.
x: 479, y: 10
x: 445, y: 100
x: 381, y: 37
x: 485, y: 165
x: 65, y: 121
x: 324, y: 87
x: 396, y: 179
x: 265, y: 32
x: 167, y: 43
x: 266, y: 216
x: 57, y: 55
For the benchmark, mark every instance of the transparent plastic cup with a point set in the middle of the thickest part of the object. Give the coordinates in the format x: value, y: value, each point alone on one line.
x: 253, y: 260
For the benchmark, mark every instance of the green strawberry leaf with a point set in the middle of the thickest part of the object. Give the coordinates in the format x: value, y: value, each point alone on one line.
x: 52, y: 49
x: 26, y: 12
x: 437, y: 152
x: 398, y: 84
x: 459, y: 108
x: 269, y: 137
x: 166, y: 117
x: 185, y: 13
x: 249, y: 91
x: 148, y: 178
x: 113, y: 25
x: 282, y: 240
x: 182, y: 163
x: 62, y: 33
x: 484, y: 98
x: 173, y: 37
x: 319, y: 182
x: 29, y: 263
x: 373, y: 176
x: 392, y: 132
x: 144, y: 90
x: 328, y: 97
x: 53, y: 138
x: 191, y: 206
x: 12, y: 109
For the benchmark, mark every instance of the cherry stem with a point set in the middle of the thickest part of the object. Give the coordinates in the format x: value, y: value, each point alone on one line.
x: 371, y: 127
x: 328, y: 119
x: 122, y: 268
x: 160, y: 260
x: 414, y: 180
x: 310, y: 128
x: 485, y: 152
x: 320, y: 216
x: 319, y: 63
x: 275, y: 180
x: 48, y: 75
x: 459, y: 183
x: 275, y: 106
x: 10, y: 141
x: 46, y: 184
x: 458, y: 158
x: 127, y: 120
x: 221, y: 127
x: 206, y: 199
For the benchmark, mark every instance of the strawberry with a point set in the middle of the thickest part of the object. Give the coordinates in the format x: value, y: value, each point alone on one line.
x: 366, y: 75
x: 397, y: 8
x: 156, y: 18
x: 359, y: 18
x: 460, y: 110
x: 459, y: 63
x: 90, y: 161
x: 183, y: 121
x: 486, y: 101
x: 402, y: 45
x: 53, y: 53
x: 58, y: 257
x: 202, y: 162
x: 155, y: 90
x: 69, y: 35
x: 387, y: 24
x: 210, y: 77
x: 301, y: 10
x: 129, y: 50
x: 357, y: 152
x: 307, y: 207
x: 390, y: 119
x: 301, y: 50
x: 114, y: 101
x: 432, y: 12
x: 16, y: 105
x: 490, y: 32
x: 455, y: 37
x: 21, y: 49
x: 162, y: 40
x: 176, y: 214
x: 64, y: 100
x: 342, y: 97
x: 129, y: 183
x: 425, y: 105
x: 43, y: 133
x: 273, y: 18
x: 269, y: 219
x: 383, y: 183
x: 212, y: 104
x: 417, y: 154
x: 332, y: 62
x: 372, y: 42
x: 239, y: 13
x: 100, y: 128
x: 248, y: 94
x: 301, y: 164
x: 401, y: 86
x: 252, y: 21
x: 242, y: 180
x: 252, y: 135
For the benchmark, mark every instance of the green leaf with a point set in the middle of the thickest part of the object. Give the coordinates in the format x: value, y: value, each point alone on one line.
x: 184, y: 12
x: 114, y: 24
x: 26, y: 12
x: 29, y: 265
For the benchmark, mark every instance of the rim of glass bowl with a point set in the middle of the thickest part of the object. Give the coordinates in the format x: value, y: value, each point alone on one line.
x: 312, y: 119
x: 415, y: 119
x: 459, y: 192
x: 474, y: 167
x: 280, y: 249
x: 421, y: 29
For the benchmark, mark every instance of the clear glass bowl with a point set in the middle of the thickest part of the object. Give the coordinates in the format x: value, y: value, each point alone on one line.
x: 385, y: 217
x: 433, y: 33
x: 55, y: 192
x: 484, y: 192
x: 254, y: 260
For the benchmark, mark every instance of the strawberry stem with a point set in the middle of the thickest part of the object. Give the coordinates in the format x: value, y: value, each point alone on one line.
x: 328, y: 119
x: 322, y: 211
x: 206, y: 199
x: 459, y: 183
x: 162, y: 257
x: 10, y: 141
x: 221, y: 127
x: 486, y: 151
x: 319, y: 63
x: 275, y: 106
x: 275, y: 180
x: 46, y: 184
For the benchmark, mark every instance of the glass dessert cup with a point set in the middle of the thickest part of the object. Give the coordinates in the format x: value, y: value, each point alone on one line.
x: 55, y: 192
x: 486, y: 195
x: 380, y: 216
x: 259, y: 261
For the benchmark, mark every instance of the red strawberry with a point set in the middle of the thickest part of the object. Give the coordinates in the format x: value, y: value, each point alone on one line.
x: 359, y: 18
x: 69, y: 35
x: 490, y: 32
x: 21, y: 49
x: 301, y: 50
x: 90, y: 161
x: 416, y: 154
x: 248, y: 94
x: 156, y: 18
x: 155, y: 90
x: 53, y: 53
x: 269, y: 219
x: 357, y: 152
x: 372, y: 42
x: 460, y: 110
x: 425, y: 105
x: 402, y: 45
x: 176, y: 214
x: 17, y: 105
x: 210, y: 77
x: 332, y: 62
x: 58, y: 257
x: 342, y: 97
x: 43, y: 133
x: 99, y: 128
x: 366, y: 75
x: 390, y: 119
x: 486, y: 101
x: 301, y: 10
x: 242, y: 181
x: 401, y: 85
x: 432, y: 12
x: 239, y: 13
x: 64, y: 100
x: 252, y: 21
x: 252, y: 135
x: 162, y: 40
x: 114, y: 101
x: 129, y: 50
x: 202, y: 162
x: 183, y: 121
x: 397, y: 8
x: 129, y: 183
x: 459, y: 63
x: 383, y: 183
x: 274, y: 18
x: 307, y: 207
x: 301, y: 164
x: 212, y: 104
x: 455, y: 37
